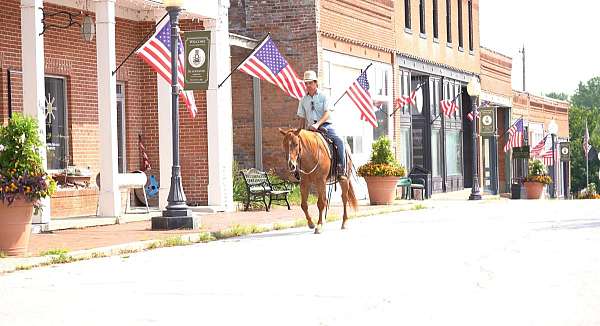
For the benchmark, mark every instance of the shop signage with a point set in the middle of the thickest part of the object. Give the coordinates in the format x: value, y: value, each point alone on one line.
x: 565, y: 151
x: 487, y: 121
x: 520, y: 152
x: 197, y: 59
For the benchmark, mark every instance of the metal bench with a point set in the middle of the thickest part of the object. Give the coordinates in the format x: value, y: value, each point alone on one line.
x: 259, y: 187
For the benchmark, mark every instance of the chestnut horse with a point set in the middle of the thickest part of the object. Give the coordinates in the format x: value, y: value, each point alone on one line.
x: 307, y: 154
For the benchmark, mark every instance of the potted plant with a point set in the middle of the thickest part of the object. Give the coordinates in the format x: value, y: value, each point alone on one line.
x: 382, y: 173
x: 536, y: 179
x: 23, y: 182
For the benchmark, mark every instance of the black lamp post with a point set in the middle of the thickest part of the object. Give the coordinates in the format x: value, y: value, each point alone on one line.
x: 553, y: 130
x: 474, y: 89
x: 177, y: 214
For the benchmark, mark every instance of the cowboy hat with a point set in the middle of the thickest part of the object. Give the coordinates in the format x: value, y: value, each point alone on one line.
x: 310, y: 75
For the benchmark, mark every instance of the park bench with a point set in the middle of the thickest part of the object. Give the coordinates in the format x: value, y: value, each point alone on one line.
x: 259, y: 187
x: 409, y: 187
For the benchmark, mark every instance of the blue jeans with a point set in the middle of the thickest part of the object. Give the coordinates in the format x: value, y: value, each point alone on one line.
x: 339, y: 143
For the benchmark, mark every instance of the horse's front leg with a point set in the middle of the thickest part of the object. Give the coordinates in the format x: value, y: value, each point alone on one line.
x: 321, y: 202
x: 304, y: 193
x: 344, y: 184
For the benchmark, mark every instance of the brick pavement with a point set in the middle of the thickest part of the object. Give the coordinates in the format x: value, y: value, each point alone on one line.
x: 102, y: 236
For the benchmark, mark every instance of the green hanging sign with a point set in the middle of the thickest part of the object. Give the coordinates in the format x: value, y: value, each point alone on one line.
x: 487, y: 121
x: 565, y: 152
x: 197, y: 59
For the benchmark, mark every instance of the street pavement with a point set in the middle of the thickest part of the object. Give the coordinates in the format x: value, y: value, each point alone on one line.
x: 495, y: 262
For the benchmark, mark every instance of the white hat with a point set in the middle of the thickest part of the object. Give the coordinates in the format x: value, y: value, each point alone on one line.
x: 310, y: 75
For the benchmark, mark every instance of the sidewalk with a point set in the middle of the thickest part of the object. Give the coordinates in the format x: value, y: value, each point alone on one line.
x: 135, y: 236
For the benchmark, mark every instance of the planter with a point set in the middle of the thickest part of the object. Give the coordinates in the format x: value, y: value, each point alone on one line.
x: 534, y: 189
x: 382, y: 190
x: 15, y: 227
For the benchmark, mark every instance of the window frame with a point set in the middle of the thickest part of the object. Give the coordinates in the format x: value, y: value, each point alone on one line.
x: 460, y: 25
x: 435, y: 14
x: 470, y: 10
x: 407, y: 20
x: 67, y: 155
x: 422, y: 23
x: 449, y: 22
x: 122, y: 168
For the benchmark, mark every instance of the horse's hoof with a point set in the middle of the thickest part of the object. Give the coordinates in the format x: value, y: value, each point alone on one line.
x: 318, y: 231
x: 311, y: 225
x: 344, y: 227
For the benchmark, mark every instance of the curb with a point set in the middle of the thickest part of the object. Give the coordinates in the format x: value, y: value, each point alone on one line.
x: 9, y: 265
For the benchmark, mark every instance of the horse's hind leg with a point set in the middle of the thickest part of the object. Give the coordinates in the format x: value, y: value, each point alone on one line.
x: 304, y: 205
x: 321, y: 202
x: 344, y: 186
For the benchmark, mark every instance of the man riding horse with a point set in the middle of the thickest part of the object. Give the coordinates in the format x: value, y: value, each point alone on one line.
x: 315, y: 110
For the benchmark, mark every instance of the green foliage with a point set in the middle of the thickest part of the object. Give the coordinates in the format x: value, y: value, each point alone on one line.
x: 558, y: 96
x: 577, y: 120
x: 537, y: 172
x: 22, y: 174
x: 382, y: 161
x: 54, y: 252
x: 587, y: 95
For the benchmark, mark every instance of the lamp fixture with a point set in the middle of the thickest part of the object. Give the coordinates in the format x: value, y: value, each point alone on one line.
x: 173, y: 3
x: 474, y: 87
x: 88, y: 28
x: 553, y: 127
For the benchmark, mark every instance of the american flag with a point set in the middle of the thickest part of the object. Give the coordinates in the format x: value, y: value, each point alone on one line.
x: 448, y: 107
x: 538, y: 149
x: 586, y: 141
x: 547, y: 157
x: 404, y: 100
x: 267, y: 63
x: 359, y: 94
x: 515, y: 135
x: 474, y: 113
x: 157, y: 54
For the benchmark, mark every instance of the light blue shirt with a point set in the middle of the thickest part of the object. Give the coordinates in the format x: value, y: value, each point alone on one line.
x: 322, y: 104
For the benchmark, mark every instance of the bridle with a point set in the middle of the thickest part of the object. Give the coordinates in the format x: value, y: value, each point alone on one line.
x: 300, y: 159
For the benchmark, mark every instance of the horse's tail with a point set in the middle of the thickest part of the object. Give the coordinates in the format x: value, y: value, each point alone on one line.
x: 352, y: 196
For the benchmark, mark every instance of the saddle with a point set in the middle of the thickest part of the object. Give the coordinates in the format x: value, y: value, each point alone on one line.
x: 332, y: 153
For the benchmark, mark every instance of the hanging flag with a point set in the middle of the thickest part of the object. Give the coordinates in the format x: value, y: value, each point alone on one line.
x: 156, y: 52
x: 473, y: 114
x: 538, y: 149
x: 515, y: 135
x: 448, y: 107
x: 547, y: 158
x: 267, y: 63
x: 359, y: 94
x: 145, y: 161
x: 586, y: 141
x: 405, y: 100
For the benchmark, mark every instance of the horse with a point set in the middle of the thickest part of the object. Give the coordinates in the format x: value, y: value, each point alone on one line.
x: 307, y: 154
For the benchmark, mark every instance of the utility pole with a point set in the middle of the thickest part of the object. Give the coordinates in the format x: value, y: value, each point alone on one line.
x: 522, y: 51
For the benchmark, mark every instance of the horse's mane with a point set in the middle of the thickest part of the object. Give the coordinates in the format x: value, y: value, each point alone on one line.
x: 312, y: 140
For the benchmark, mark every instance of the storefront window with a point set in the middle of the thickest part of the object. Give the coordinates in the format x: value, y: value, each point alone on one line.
x: 405, y: 147
x: 436, y: 153
x: 121, y: 126
x: 56, y: 124
x: 453, y: 152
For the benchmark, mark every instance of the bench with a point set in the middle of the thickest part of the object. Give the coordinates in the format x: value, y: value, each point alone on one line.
x: 408, y: 188
x: 259, y: 187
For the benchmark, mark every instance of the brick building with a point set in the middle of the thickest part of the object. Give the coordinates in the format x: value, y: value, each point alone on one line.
x: 60, y: 69
x: 408, y: 43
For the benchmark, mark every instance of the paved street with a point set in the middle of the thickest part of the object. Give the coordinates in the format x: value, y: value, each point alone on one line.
x: 488, y: 263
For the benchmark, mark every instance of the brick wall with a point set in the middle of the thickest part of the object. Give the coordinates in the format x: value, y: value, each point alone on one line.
x: 292, y: 25
x: 496, y: 72
x: 68, y: 55
x: 541, y: 109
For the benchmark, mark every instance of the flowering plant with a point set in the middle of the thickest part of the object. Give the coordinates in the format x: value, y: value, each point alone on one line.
x: 22, y: 174
x: 537, y: 173
x: 382, y: 162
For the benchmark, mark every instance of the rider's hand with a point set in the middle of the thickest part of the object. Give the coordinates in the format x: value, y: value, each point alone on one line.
x: 314, y: 127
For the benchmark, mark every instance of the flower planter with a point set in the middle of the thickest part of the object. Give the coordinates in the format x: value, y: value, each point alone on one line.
x: 382, y: 190
x: 15, y: 227
x: 534, y: 189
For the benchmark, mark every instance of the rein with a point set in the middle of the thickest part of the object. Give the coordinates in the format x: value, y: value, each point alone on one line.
x: 300, y: 159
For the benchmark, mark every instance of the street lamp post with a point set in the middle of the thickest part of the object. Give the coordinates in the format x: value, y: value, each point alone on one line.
x: 177, y: 214
x: 553, y: 130
x: 474, y: 89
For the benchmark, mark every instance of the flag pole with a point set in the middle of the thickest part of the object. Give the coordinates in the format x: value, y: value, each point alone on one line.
x: 336, y: 102
x: 251, y: 53
x: 141, y: 43
x: 510, y: 127
x: 587, y: 178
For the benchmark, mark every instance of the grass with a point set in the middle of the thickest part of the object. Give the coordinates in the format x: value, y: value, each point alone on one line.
x: 61, y: 259
x: 3, y: 254
x: 418, y: 207
x: 58, y: 251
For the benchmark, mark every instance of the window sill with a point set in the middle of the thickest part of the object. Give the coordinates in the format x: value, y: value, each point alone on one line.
x: 436, y: 40
x: 461, y: 49
x: 423, y: 36
x: 407, y: 30
x: 471, y: 52
x: 449, y: 45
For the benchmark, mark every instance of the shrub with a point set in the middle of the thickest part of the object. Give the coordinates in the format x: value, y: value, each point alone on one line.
x: 537, y: 172
x: 22, y: 174
x: 382, y: 162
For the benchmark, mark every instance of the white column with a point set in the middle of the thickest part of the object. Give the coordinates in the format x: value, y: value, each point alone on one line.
x: 165, y: 139
x: 32, y: 56
x: 110, y: 197
x: 219, y: 113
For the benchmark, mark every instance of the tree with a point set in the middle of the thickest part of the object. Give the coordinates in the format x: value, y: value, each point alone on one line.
x: 558, y: 96
x: 587, y: 95
x: 577, y: 120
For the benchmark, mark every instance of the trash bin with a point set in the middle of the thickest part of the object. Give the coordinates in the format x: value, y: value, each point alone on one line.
x: 421, y: 175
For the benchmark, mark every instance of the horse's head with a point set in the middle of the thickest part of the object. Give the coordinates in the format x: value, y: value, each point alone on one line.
x: 291, y: 147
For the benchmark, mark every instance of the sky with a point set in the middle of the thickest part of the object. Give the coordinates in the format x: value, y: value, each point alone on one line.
x: 561, y: 38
